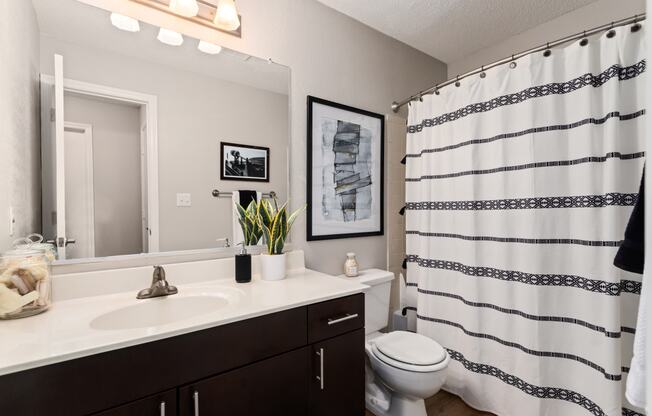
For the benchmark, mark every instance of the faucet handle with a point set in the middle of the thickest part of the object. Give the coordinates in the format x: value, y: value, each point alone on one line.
x: 159, y: 274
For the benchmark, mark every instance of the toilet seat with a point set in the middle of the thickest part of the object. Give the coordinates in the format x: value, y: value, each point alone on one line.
x: 409, y: 351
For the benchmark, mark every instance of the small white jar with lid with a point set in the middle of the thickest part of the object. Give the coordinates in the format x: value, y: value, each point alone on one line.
x: 351, y: 265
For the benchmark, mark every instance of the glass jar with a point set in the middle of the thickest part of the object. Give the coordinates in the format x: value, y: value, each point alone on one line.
x: 351, y: 265
x: 35, y: 241
x: 25, y: 285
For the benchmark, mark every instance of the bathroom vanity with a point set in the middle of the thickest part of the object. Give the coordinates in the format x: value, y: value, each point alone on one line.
x: 294, y: 347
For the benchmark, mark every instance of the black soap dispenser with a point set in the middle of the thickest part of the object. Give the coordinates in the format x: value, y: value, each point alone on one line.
x: 243, y: 266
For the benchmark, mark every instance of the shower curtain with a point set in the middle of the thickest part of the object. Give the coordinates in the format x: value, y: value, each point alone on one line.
x: 519, y: 185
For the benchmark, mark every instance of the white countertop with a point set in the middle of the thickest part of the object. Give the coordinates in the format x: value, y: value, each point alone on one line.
x: 65, y: 332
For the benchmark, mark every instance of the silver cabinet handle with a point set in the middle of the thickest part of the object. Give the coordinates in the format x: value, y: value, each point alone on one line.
x: 162, y: 408
x: 332, y: 321
x: 320, y: 377
x: 195, y: 398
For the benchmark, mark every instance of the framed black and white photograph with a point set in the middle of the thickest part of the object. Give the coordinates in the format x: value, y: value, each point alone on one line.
x: 244, y: 163
x: 345, y: 171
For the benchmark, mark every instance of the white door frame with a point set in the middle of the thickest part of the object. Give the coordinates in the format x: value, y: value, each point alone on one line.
x: 90, y: 199
x: 149, y: 102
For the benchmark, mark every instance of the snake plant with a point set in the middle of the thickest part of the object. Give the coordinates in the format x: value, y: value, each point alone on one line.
x: 275, y: 224
x: 248, y: 219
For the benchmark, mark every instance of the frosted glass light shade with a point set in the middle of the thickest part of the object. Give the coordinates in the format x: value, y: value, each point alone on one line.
x: 170, y: 37
x: 125, y: 23
x: 187, y: 8
x: 226, y: 16
x: 209, y: 48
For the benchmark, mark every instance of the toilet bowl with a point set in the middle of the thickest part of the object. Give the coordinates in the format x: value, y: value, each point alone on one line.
x: 411, y: 366
x: 403, y: 368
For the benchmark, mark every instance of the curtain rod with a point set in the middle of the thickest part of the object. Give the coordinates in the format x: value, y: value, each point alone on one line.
x: 634, y: 19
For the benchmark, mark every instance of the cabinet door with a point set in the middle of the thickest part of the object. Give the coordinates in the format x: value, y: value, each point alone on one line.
x: 164, y: 404
x: 275, y: 386
x: 337, y: 382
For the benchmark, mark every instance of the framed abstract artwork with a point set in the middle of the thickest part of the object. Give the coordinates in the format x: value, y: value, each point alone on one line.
x: 345, y: 171
x: 244, y: 163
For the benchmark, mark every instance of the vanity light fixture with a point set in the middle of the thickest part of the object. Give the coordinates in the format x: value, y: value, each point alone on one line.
x: 126, y: 23
x: 209, y: 48
x: 187, y: 8
x: 170, y: 37
x: 226, y: 15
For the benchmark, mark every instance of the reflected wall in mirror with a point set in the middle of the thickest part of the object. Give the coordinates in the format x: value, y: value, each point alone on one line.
x: 131, y: 130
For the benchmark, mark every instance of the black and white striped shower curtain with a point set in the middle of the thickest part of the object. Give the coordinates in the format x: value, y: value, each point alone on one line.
x: 519, y: 186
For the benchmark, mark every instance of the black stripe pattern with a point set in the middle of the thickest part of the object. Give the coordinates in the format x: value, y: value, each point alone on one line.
x: 532, y: 130
x: 547, y: 279
x: 529, y: 351
x: 533, y: 165
x: 573, y: 201
x: 574, y: 241
x: 541, y: 392
x: 554, y: 88
x: 539, y: 318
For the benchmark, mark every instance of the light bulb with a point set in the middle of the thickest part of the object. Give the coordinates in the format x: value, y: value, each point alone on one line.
x: 226, y: 16
x: 209, y: 48
x: 125, y: 23
x: 187, y: 8
x: 170, y: 37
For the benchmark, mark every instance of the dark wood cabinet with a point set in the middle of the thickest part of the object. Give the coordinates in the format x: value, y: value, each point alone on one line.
x: 163, y: 404
x: 261, y: 366
x: 276, y: 386
x: 337, y: 386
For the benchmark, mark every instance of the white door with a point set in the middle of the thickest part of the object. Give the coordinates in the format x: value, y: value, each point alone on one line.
x: 146, y: 233
x: 60, y: 162
x: 80, y: 205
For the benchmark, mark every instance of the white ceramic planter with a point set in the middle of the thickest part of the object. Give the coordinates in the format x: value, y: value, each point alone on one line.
x: 272, y: 267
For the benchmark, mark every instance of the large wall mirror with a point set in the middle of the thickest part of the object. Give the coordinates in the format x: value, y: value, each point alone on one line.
x: 131, y: 134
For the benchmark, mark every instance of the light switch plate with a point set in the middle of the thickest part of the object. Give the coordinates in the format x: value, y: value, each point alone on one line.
x: 183, y: 200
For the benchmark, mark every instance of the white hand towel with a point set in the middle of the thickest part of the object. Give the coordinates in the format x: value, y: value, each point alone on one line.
x: 237, y: 234
x: 636, y: 381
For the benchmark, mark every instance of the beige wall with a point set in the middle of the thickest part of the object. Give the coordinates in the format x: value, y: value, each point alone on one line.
x: 195, y: 113
x: 333, y: 57
x: 595, y: 14
x: 19, y: 120
x: 116, y: 172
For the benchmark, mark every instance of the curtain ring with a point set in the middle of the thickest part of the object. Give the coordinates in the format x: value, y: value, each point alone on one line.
x: 436, y: 91
x: 636, y: 26
x: 457, y: 81
x: 547, y: 52
x: 513, y: 63
x: 584, y: 40
x: 611, y: 33
x: 482, y: 73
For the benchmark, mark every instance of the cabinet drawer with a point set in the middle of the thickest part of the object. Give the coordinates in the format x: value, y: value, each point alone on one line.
x: 335, y: 317
x: 163, y: 404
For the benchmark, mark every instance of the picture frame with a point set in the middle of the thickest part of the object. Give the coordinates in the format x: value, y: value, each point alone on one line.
x: 345, y: 171
x: 241, y: 162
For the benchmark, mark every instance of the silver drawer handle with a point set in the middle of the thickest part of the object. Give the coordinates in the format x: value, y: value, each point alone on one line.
x: 162, y: 408
x: 195, y: 398
x: 320, y: 377
x: 332, y: 321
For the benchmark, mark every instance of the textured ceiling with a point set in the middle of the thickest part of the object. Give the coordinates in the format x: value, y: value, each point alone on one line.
x: 452, y: 29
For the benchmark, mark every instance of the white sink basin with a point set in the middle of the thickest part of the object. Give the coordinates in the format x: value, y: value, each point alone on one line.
x: 159, y: 311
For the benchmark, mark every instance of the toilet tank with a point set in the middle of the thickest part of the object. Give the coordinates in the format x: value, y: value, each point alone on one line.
x: 376, y: 298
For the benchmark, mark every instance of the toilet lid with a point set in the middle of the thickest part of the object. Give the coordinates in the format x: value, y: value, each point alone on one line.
x: 410, y: 348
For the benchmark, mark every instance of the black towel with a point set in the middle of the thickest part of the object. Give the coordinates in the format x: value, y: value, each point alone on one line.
x: 631, y: 254
x: 246, y: 197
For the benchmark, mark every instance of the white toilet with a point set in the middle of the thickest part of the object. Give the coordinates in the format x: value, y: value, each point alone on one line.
x: 404, y: 368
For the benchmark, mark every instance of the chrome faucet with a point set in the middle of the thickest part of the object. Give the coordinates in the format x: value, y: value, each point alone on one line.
x: 159, y: 287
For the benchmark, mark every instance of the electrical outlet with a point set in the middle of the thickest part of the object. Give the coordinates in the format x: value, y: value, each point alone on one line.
x: 184, y: 200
